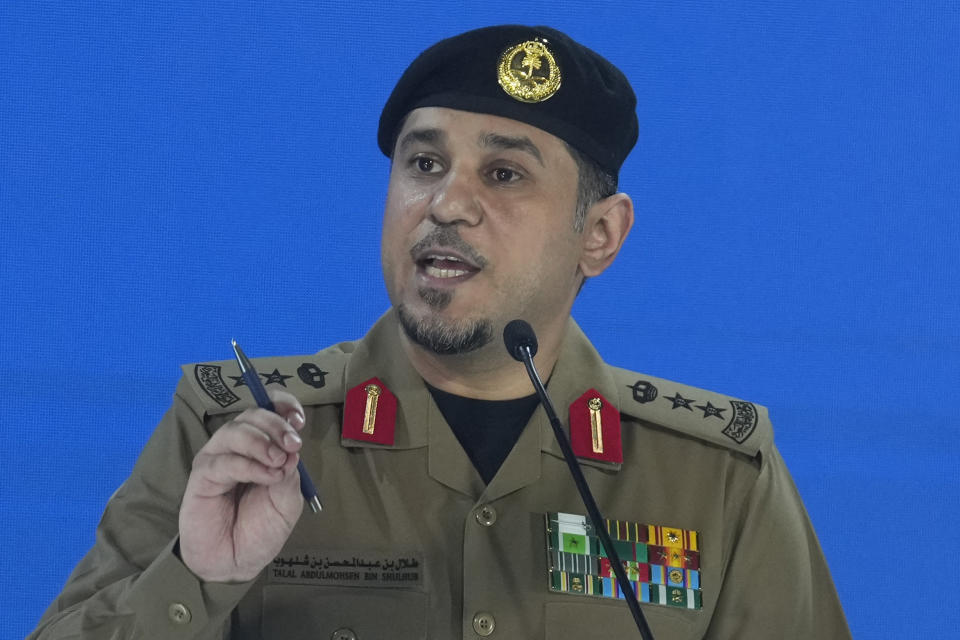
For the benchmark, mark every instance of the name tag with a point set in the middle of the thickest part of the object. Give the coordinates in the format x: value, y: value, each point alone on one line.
x: 347, y: 569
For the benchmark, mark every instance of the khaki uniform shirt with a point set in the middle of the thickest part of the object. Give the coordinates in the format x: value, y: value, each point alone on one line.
x: 412, y: 544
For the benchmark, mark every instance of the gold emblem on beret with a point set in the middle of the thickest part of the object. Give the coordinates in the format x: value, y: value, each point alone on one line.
x: 528, y: 72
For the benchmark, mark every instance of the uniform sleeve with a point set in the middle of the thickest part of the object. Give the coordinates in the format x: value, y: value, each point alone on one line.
x: 776, y: 583
x: 132, y: 584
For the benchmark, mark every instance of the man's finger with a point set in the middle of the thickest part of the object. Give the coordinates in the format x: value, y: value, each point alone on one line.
x: 215, y: 475
x: 273, y: 426
x: 288, y: 407
x: 250, y: 441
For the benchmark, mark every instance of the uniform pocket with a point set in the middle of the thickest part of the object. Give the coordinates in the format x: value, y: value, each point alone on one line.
x: 580, y: 620
x: 295, y: 612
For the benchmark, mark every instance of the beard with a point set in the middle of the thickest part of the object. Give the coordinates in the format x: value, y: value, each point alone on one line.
x: 443, y: 337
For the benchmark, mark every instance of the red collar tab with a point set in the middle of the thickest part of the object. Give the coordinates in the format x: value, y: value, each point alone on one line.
x: 595, y: 428
x: 370, y: 413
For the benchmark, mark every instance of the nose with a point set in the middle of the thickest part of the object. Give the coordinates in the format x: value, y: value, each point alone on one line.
x: 456, y: 200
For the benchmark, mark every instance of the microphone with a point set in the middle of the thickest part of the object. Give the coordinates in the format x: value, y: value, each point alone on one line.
x: 521, y: 343
x: 517, y: 335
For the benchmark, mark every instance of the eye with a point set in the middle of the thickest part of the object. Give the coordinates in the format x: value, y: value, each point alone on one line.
x: 503, y: 174
x: 426, y: 164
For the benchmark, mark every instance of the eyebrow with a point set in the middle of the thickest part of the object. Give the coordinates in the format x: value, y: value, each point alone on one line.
x: 438, y: 137
x: 423, y: 136
x: 520, y: 143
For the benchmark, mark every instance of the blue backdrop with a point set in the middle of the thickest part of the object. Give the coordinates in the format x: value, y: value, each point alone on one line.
x: 797, y: 241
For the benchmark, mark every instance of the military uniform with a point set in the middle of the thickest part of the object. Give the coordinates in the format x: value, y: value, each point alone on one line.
x: 412, y: 544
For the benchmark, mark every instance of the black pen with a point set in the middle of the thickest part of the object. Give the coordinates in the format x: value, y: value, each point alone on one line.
x: 252, y: 380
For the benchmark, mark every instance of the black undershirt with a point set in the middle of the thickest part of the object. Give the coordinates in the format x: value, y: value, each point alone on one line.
x: 486, y: 429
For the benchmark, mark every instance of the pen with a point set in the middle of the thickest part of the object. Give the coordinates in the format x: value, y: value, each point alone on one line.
x: 252, y: 379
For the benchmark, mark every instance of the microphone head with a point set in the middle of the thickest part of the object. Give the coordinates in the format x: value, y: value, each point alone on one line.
x: 518, y: 334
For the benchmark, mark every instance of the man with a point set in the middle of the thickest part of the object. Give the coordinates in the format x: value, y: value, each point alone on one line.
x: 449, y: 511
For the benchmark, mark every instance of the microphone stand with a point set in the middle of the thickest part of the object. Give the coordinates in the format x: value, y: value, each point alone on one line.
x: 598, y: 523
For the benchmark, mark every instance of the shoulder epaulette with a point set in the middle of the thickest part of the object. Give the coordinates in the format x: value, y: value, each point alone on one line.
x: 218, y: 387
x: 706, y: 415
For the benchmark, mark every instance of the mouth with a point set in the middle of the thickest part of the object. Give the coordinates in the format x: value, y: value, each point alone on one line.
x: 443, y: 265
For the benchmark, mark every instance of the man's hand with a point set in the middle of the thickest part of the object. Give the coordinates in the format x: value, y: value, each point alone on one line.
x: 243, y: 495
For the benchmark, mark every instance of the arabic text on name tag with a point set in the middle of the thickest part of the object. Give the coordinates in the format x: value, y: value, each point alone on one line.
x: 346, y: 570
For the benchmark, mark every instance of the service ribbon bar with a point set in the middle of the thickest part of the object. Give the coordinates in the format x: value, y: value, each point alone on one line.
x: 662, y: 563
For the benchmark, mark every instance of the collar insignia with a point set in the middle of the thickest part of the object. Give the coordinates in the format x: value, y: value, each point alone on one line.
x: 528, y: 72
x: 595, y: 428
x: 370, y: 413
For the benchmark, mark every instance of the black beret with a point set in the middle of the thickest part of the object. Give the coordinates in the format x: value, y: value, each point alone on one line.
x: 535, y: 75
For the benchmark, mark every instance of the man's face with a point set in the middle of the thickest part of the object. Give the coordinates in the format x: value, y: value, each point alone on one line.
x: 478, y: 228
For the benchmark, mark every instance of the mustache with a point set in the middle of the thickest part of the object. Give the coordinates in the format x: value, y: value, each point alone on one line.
x: 449, y: 238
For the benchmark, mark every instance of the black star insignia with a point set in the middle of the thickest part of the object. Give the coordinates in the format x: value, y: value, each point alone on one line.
x: 275, y: 378
x: 679, y: 401
x: 711, y: 410
x: 238, y: 381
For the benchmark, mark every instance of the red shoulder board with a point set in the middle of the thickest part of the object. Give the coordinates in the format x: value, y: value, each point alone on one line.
x: 370, y: 413
x: 595, y: 428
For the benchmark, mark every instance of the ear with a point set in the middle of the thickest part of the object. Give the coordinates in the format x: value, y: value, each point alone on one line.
x: 605, y: 228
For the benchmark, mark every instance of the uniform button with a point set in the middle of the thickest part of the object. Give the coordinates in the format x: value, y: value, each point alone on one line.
x: 483, y: 623
x: 179, y: 614
x: 486, y: 515
x: 343, y: 634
